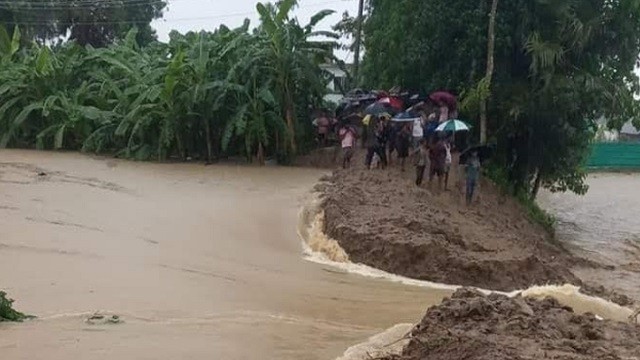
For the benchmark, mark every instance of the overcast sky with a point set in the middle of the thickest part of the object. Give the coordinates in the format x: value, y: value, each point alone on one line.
x: 187, y: 15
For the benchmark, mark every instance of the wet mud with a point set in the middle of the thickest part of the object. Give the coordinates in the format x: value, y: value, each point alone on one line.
x: 473, y: 326
x: 382, y: 220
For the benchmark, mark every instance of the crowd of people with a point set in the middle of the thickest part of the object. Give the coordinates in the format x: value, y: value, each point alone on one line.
x: 386, y: 141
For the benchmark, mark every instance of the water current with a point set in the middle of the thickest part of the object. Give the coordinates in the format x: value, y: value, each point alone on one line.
x: 603, y: 225
x: 198, y: 262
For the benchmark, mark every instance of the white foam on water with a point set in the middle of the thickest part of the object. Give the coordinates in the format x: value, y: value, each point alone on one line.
x: 389, y: 342
x: 570, y: 295
x: 319, y: 248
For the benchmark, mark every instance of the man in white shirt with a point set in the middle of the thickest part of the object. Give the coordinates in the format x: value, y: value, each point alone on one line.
x: 418, y: 131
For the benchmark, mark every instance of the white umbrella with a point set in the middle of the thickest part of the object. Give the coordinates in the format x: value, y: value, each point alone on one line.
x: 453, y: 125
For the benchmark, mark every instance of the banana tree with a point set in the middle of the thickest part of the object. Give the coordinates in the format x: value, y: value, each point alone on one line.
x: 256, y: 120
x: 209, y: 58
x: 25, y: 84
x: 291, y: 58
x: 131, y: 83
x: 9, y: 45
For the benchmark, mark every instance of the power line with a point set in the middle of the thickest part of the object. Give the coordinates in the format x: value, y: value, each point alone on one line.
x: 86, y: 6
x: 6, y: 5
x: 74, y: 3
x: 222, y: 16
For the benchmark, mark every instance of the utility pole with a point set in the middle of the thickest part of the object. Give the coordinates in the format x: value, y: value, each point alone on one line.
x: 356, y: 59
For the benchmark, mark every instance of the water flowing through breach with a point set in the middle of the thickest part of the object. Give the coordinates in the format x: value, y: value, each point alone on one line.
x: 324, y: 250
x: 196, y: 262
x: 319, y: 248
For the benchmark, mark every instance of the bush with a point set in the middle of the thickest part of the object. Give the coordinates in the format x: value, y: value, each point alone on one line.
x: 7, y: 313
x: 537, y: 214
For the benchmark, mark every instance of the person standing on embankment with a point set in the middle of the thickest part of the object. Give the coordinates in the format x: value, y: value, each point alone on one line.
x: 422, y: 161
x: 348, y: 141
x: 472, y: 172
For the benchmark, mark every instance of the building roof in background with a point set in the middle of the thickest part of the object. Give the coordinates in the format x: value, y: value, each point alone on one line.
x: 629, y: 129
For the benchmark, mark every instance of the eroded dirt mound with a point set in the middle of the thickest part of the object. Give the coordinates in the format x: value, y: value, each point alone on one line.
x: 472, y: 326
x: 381, y: 219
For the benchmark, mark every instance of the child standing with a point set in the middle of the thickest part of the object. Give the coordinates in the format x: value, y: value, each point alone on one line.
x: 473, y: 174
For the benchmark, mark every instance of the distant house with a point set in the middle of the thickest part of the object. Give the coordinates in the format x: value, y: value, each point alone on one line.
x: 338, y: 82
x: 629, y: 132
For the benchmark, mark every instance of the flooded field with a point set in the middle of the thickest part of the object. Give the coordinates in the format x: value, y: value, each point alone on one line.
x: 603, y: 225
x: 204, y: 262
x: 198, y: 262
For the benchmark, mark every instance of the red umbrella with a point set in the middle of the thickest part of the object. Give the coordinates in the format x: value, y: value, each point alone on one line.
x: 393, y: 101
x: 446, y: 98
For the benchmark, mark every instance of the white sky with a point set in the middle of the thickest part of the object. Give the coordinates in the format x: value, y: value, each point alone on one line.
x: 195, y: 15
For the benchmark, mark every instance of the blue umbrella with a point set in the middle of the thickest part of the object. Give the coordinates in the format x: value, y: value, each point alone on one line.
x: 432, y: 126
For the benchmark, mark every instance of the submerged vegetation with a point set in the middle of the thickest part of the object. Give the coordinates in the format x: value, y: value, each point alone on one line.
x: 203, y: 95
x: 7, y: 313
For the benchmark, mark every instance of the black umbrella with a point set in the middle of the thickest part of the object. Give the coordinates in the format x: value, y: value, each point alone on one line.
x: 347, y: 107
x: 351, y: 118
x: 378, y: 109
x: 485, y: 152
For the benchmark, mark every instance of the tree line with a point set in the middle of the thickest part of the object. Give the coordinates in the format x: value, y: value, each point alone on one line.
x: 548, y: 73
x: 207, y: 94
x: 87, y: 22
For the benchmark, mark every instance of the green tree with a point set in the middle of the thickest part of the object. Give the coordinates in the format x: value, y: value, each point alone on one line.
x: 559, y: 65
x: 88, y: 22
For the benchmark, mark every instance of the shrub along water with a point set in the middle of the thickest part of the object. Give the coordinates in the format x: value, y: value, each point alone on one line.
x: 7, y: 313
x: 205, y: 95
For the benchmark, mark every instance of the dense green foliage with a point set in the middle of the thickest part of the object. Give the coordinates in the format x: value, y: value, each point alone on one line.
x: 559, y: 66
x: 202, y: 95
x: 88, y: 22
x: 7, y: 313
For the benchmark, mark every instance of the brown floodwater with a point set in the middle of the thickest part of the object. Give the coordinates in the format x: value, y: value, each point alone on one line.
x: 203, y: 263
x: 603, y: 225
x: 198, y: 262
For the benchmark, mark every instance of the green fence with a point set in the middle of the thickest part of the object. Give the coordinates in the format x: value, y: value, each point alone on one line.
x: 614, y: 156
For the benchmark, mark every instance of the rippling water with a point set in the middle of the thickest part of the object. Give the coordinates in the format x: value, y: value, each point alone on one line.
x: 604, y: 225
x: 199, y: 263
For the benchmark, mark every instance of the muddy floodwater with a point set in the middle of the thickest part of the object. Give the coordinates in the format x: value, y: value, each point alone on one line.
x: 198, y: 262
x: 207, y: 262
x: 603, y: 225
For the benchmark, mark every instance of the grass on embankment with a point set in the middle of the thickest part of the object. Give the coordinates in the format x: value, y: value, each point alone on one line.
x: 538, y: 215
x: 7, y: 313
